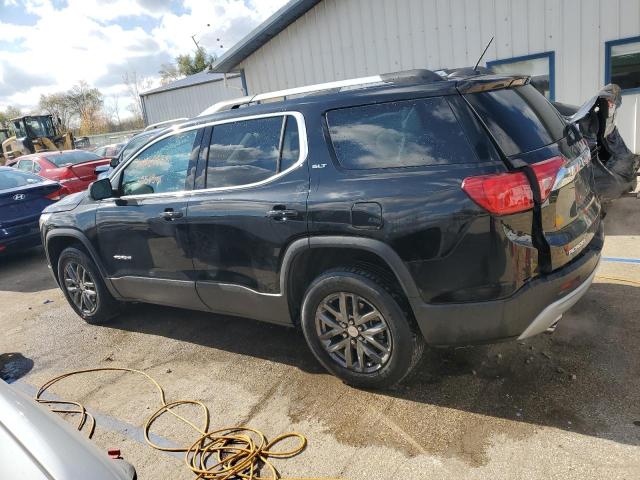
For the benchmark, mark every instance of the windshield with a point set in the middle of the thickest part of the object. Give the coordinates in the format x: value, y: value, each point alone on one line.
x: 14, y: 179
x: 34, y: 127
x: 135, y: 143
x: 73, y: 158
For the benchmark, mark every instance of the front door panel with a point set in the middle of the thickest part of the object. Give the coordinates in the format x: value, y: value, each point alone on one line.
x: 143, y: 235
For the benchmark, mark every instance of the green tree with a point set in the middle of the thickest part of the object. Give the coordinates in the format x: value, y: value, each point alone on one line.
x: 188, y: 64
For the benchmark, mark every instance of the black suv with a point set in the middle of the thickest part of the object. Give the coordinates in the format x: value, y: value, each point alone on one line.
x: 412, y: 208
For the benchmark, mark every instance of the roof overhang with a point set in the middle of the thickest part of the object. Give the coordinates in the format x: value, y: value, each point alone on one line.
x: 268, y: 29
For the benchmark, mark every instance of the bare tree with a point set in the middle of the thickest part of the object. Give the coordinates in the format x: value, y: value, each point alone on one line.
x: 169, y: 73
x: 112, y: 109
x: 136, y: 85
x: 87, y: 102
x: 59, y: 106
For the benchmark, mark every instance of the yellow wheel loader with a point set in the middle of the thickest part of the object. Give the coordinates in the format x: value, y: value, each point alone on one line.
x: 35, y: 133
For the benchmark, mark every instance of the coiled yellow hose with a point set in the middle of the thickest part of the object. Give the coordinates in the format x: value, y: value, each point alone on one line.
x: 225, y: 453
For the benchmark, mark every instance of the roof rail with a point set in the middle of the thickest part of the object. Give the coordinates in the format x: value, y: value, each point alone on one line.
x: 405, y: 76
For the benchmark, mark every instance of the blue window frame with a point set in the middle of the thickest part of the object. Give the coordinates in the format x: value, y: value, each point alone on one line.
x: 541, y: 67
x: 622, y: 64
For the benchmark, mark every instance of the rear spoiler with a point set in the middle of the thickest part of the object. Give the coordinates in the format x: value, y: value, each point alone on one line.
x: 485, y: 83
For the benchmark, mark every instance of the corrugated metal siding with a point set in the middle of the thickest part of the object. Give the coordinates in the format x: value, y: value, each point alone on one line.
x: 340, y: 39
x: 189, y: 101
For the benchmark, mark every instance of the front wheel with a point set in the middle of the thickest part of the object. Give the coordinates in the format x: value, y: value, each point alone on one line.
x: 84, y: 288
x: 356, y: 326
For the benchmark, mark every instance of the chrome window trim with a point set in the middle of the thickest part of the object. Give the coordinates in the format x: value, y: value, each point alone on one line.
x: 302, y: 139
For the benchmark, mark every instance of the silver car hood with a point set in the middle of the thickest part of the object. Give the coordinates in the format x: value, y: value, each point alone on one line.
x: 45, y: 446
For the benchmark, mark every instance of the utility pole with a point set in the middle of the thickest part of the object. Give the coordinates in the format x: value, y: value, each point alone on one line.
x: 193, y: 37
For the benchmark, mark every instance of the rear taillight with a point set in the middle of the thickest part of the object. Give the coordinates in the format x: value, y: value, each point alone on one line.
x: 58, y: 194
x: 507, y: 193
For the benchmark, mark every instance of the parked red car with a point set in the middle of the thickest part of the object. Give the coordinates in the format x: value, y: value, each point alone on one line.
x: 73, y: 169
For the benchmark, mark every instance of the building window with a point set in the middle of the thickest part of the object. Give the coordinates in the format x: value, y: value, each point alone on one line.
x: 622, y: 64
x: 540, y: 67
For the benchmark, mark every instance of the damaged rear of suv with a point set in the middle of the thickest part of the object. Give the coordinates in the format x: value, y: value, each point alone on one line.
x: 544, y: 213
x: 378, y: 214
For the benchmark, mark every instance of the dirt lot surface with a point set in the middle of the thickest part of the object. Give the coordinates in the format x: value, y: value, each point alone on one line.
x: 556, y: 406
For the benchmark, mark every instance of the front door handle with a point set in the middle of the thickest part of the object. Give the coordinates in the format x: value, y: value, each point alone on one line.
x: 282, y: 214
x: 170, y: 214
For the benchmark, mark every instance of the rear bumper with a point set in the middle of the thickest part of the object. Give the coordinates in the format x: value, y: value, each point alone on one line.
x: 529, y: 311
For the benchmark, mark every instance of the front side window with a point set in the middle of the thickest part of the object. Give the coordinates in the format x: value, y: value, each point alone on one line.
x: 623, y: 59
x: 540, y: 67
x: 398, y: 134
x: 161, y: 168
x: 250, y: 151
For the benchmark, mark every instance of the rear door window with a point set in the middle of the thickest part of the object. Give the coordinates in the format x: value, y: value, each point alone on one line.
x: 250, y: 151
x: 398, y: 134
x: 520, y: 119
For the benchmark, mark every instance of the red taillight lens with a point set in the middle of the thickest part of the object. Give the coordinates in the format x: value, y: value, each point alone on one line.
x: 58, y: 194
x: 507, y: 193
x: 547, y: 173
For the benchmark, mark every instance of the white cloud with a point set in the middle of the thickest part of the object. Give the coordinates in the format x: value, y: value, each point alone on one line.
x: 98, y: 40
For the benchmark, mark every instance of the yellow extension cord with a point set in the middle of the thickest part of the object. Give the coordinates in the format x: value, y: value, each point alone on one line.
x: 616, y: 279
x: 236, y: 452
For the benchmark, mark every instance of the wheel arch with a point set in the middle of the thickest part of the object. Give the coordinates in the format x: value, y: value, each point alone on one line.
x: 60, y: 238
x: 307, y: 258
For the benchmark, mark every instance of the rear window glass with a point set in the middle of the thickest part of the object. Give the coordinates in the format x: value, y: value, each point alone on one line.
x: 14, y: 179
x: 520, y: 119
x: 398, y: 134
x: 66, y: 158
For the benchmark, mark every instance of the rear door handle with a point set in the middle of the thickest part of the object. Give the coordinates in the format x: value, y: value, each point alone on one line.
x: 170, y: 214
x: 282, y: 214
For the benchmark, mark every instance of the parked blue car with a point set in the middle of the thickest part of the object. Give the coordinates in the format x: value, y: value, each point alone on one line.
x: 23, y: 196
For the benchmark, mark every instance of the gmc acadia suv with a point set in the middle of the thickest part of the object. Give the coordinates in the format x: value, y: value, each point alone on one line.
x: 378, y: 215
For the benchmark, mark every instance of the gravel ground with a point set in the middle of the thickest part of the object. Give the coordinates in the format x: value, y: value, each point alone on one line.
x: 560, y: 406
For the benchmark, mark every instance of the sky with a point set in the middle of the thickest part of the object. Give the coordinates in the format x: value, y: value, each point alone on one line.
x: 47, y: 46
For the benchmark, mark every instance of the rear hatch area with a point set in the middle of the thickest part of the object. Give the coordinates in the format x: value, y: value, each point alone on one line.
x: 559, y: 212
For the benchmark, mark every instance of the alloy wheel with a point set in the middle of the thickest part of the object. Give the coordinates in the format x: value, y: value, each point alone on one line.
x: 81, y: 287
x: 353, y: 332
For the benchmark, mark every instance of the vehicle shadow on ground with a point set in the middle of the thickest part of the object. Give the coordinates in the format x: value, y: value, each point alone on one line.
x: 25, y: 271
x: 619, y: 213
x: 583, y: 378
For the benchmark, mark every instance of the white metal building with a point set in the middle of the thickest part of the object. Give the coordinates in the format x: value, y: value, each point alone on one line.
x: 189, y: 96
x: 572, y: 47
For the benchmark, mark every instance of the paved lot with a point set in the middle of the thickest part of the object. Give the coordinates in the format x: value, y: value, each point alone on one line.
x: 560, y: 406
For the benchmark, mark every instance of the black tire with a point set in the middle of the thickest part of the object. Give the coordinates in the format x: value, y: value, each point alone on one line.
x: 106, y: 306
x: 407, y: 344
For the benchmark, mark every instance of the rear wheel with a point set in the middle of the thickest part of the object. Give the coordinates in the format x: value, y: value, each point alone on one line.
x: 84, y: 288
x: 358, y: 327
